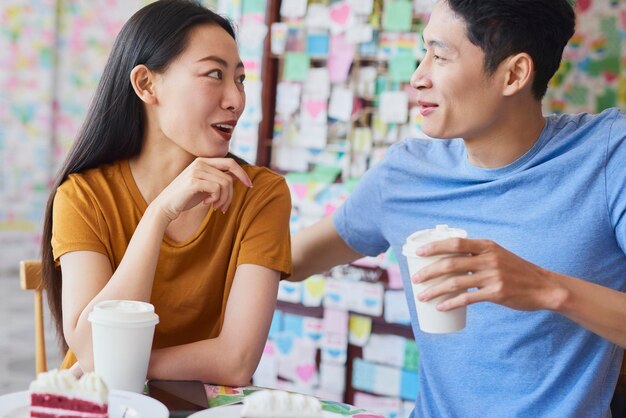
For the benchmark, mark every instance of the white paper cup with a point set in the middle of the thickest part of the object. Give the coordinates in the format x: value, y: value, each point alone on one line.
x: 122, y: 332
x: 430, y: 319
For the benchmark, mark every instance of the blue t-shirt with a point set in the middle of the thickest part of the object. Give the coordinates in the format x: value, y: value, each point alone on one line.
x: 562, y: 206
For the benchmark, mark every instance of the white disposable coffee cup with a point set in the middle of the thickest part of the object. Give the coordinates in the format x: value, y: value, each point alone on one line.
x: 429, y: 317
x: 122, y: 332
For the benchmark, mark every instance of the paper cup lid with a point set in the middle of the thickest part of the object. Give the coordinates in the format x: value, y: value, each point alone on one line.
x: 419, y: 238
x: 130, y: 312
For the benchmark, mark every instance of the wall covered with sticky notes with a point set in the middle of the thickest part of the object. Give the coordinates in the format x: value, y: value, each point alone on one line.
x: 342, y: 98
x: 52, y: 54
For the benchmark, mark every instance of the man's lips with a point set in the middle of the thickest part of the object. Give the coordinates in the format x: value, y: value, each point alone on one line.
x: 426, y: 108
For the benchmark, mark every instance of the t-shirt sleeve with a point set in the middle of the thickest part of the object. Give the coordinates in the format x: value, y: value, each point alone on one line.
x: 76, y: 224
x: 266, y: 237
x: 616, y: 177
x: 358, y: 220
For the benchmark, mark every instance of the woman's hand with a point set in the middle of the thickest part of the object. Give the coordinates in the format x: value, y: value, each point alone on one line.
x: 205, y: 180
x: 76, y: 370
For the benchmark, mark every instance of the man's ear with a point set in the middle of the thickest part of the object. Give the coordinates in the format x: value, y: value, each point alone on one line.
x: 142, y: 80
x: 519, y: 73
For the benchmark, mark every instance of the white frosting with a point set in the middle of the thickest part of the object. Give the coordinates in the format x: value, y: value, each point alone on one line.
x: 280, y: 404
x: 90, y: 387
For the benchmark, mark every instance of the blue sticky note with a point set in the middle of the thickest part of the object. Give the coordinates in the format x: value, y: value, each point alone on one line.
x: 369, y: 49
x: 408, y: 385
x: 284, y: 342
x: 293, y: 324
x: 277, y: 324
x: 317, y: 44
x: 363, y: 375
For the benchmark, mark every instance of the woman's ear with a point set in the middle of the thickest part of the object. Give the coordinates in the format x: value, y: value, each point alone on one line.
x: 520, y: 71
x: 142, y: 80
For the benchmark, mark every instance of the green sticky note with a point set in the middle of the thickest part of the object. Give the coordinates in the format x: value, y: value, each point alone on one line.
x: 411, y: 356
x: 326, y: 173
x: 606, y: 100
x: 401, y: 67
x: 296, y: 66
x: 578, y: 95
x: 253, y: 6
x: 397, y: 16
x: 297, y: 177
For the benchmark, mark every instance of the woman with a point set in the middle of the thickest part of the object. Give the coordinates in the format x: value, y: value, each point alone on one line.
x: 150, y: 206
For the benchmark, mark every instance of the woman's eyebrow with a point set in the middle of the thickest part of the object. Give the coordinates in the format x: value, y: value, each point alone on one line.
x: 220, y: 61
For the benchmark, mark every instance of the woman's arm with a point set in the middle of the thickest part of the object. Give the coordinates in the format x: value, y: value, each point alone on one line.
x: 232, y: 357
x: 88, y: 277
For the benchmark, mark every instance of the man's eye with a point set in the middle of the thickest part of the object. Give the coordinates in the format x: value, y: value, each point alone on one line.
x: 215, y: 74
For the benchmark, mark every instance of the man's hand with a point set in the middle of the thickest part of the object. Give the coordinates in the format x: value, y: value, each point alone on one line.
x: 500, y: 277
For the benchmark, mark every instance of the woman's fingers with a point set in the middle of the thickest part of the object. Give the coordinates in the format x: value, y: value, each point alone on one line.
x: 230, y: 166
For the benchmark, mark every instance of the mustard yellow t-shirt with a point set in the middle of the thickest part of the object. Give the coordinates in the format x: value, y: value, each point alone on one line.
x: 99, y: 209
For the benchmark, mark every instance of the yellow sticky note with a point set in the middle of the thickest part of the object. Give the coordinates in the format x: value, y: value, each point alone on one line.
x: 360, y: 329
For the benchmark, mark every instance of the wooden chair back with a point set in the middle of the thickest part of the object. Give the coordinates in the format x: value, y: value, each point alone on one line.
x: 30, y: 279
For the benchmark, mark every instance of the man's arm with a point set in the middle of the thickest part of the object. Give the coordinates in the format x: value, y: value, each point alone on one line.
x: 318, y: 248
x: 502, y: 277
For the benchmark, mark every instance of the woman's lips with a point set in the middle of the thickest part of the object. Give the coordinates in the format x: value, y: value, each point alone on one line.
x: 225, y: 129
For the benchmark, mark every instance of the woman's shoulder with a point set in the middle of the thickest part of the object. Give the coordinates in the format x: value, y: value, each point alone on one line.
x: 93, y: 178
x: 263, y: 176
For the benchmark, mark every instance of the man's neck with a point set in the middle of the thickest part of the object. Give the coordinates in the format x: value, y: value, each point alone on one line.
x: 511, y: 137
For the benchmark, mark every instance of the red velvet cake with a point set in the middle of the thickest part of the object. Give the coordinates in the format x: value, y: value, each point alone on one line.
x: 58, y: 394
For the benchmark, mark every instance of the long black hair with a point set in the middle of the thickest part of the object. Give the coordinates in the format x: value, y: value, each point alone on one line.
x: 502, y: 28
x: 113, y: 126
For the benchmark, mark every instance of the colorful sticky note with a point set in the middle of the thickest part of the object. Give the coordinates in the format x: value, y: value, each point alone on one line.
x: 411, y: 355
x: 360, y: 329
x: 296, y: 66
x: 253, y: 6
x: 293, y: 324
x: 317, y: 44
x: 340, y: 58
x: 313, y: 290
x: 277, y: 324
x: 397, y: 16
x: 408, y: 384
x: 402, y: 67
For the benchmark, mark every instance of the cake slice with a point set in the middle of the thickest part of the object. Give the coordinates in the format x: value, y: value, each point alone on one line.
x: 59, y: 394
x: 280, y: 404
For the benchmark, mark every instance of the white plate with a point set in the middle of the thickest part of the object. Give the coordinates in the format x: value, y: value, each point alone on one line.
x: 122, y: 404
x: 234, y: 411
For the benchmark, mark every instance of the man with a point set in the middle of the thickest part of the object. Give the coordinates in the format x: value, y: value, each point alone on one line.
x: 542, y: 199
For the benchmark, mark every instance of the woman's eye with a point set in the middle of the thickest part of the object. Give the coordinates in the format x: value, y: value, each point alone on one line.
x: 241, y: 79
x: 215, y: 74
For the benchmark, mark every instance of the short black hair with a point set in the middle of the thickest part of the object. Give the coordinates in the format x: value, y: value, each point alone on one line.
x: 501, y: 28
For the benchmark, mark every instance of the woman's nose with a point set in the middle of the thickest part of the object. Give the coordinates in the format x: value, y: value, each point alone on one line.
x: 234, y: 98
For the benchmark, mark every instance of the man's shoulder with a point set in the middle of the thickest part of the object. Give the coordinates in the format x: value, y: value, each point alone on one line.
x: 604, y: 119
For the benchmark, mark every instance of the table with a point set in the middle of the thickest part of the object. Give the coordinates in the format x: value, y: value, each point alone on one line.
x: 225, y: 395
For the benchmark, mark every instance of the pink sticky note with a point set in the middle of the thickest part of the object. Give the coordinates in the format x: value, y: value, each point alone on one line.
x: 340, y: 56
